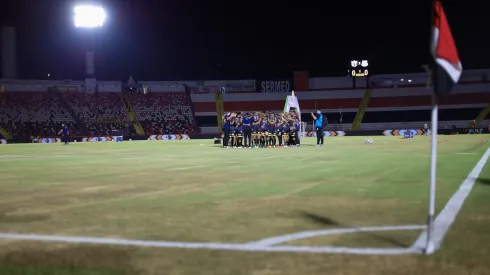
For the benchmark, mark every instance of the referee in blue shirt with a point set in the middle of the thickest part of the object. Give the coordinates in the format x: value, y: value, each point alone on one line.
x: 318, y: 127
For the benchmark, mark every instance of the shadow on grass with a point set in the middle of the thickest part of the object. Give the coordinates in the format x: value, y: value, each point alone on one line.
x: 22, y: 218
x: 86, y: 260
x: 474, y: 147
x: 326, y: 221
x: 483, y: 181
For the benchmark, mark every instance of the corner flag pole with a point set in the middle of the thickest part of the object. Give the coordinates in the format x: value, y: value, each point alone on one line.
x: 430, y: 246
x: 446, y: 72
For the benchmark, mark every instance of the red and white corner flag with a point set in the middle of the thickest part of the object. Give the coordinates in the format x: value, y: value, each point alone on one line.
x: 447, y: 66
x: 446, y: 72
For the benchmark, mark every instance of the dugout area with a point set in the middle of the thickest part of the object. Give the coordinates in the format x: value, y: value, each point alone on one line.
x: 183, y: 191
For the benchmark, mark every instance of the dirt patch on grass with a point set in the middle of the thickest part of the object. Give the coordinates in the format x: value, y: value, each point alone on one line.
x: 69, y: 257
x: 22, y: 218
x: 212, y: 262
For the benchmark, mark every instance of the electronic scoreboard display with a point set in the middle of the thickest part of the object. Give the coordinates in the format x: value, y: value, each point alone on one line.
x: 358, y: 68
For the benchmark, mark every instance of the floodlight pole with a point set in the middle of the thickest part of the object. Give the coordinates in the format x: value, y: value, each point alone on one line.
x: 90, y: 57
x: 89, y: 29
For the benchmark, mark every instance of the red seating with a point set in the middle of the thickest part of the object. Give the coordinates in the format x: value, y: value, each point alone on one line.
x: 26, y: 114
x: 164, y: 112
x: 32, y: 113
x: 98, y: 107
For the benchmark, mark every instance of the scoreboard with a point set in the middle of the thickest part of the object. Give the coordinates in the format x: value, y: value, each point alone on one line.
x: 358, y: 68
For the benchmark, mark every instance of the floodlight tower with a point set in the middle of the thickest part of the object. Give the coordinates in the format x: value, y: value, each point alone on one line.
x: 89, y: 18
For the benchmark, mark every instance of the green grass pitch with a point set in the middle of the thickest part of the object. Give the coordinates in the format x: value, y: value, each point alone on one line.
x: 194, y: 191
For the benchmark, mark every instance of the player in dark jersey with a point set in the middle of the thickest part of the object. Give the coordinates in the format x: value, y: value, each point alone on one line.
x: 225, y: 120
x: 65, y: 133
x: 232, y: 130
x: 238, y: 131
x: 272, y: 129
x: 264, y: 130
x: 247, y: 120
x: 285, y: 129
x: 292, y: 129
x: 279, y: 123
x: 256, y: 129
x: 297, y: 128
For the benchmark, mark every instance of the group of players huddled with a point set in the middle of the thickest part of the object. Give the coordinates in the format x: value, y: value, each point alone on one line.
x: 261, y: 129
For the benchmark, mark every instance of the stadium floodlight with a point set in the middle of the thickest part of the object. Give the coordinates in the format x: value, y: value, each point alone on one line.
x: 89, y: 16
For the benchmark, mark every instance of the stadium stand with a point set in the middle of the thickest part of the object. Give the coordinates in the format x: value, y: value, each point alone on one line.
x: 96, y: 107
x: 100, y: 113
x: 37, y: 108
x: 26, y: 114
x: 164, y: 112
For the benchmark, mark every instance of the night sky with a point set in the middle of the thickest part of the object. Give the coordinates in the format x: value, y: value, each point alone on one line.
x: 190, y: 40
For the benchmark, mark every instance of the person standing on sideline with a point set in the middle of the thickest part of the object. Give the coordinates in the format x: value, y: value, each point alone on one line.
x: 318, y: 127
x: 247, y: 130
x: 64, y: 132
x: 226, y: 129
x: 426, y: 128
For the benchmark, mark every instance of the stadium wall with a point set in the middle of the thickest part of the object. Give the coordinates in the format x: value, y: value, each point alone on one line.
x: 329, y: 133
x: 347, y: 100
x: 389, y: 80
x: 248, y: 86
x: 38, y: 85
x: 109, y: 86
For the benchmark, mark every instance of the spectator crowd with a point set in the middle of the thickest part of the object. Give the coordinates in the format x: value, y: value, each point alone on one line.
x: 27, y: 114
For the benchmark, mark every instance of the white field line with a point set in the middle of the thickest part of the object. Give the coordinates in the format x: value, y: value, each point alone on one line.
x: 447, y: 216
x: 119, y: 156
x: 23, y: 157
x: 266, y: 245
x: 185, y: 168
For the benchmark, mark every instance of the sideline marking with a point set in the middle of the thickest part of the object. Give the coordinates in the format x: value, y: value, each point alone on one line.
x: 265, y: 245
x: 447, y: 216
x: 23, y: 157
